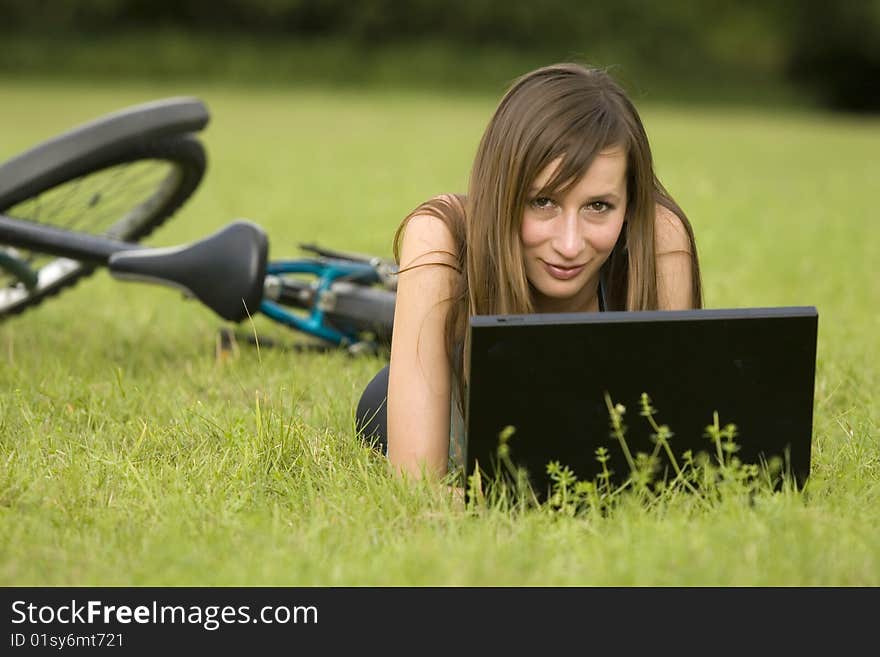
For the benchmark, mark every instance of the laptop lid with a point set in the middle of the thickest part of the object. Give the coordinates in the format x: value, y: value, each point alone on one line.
x: 546, y: 375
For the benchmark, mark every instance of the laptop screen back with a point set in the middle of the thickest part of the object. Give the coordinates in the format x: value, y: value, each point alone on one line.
x: 547, y: 377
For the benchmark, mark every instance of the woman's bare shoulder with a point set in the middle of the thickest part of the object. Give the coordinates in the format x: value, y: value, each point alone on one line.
x: 428, y: 235
x: 675, y: 290
x: 670, y: 233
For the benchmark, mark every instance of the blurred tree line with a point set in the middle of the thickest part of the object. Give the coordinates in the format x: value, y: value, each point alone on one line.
x: 831, y: 49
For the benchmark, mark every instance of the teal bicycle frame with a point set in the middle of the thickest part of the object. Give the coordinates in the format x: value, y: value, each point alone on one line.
x: 327, y: 273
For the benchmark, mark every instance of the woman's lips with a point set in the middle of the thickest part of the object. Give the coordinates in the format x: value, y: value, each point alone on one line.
x: 562, y: 273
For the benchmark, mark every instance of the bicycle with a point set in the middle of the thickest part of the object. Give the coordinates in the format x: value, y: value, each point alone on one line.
x: 83, y: 199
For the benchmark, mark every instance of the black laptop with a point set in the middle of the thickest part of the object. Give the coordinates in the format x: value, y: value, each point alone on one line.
x: 547, y: 375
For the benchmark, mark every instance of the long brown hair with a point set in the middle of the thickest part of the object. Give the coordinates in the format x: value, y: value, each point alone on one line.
x: 566, y: 111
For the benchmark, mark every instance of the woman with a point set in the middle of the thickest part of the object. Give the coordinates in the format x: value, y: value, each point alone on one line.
x: 563, y: 214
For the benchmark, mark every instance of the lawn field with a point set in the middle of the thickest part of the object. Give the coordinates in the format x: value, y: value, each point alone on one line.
x: 131, y: 455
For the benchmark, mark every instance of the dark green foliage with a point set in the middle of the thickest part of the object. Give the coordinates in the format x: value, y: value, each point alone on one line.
x: 835, y: 52
x: 831, y: 49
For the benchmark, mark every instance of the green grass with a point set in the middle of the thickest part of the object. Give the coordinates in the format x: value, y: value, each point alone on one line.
x: 130, y: 456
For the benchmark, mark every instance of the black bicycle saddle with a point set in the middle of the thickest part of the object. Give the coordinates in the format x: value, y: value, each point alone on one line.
x: 224, y: 271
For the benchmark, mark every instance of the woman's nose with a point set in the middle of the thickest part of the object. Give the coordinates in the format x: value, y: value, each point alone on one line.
x: 569, y: 240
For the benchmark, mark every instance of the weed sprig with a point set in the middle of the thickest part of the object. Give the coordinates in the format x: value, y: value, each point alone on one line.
x: 707, y: 477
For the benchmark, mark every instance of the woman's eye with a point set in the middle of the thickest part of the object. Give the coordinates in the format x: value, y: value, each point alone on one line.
x: 541, y: 202
x: 599, y: 206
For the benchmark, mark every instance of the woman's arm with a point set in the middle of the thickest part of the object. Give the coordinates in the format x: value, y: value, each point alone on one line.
x: 674, y: 261
x: 419, y: 374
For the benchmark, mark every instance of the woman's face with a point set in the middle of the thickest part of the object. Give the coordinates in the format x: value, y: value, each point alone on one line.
x: 567, y: 237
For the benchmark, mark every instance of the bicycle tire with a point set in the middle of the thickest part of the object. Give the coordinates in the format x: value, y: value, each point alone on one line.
x: 363, y: 309
x: 53, y: 183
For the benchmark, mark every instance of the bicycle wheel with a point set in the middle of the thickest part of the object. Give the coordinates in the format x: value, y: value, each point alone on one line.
x: 360, y: 309
x: 120, y: 176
